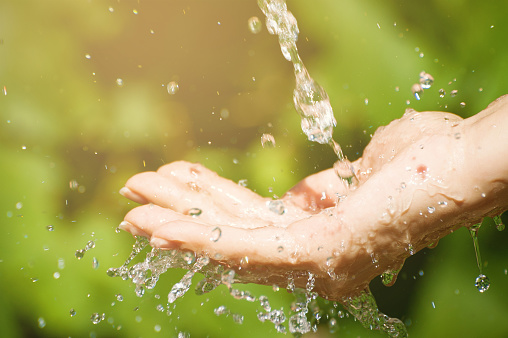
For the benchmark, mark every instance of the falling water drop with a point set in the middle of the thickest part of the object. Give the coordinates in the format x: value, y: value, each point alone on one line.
x: 417, y: 90
x: 482, y: 283
x: 72, y: 312
x: 267, y: 141
x: 90, y: 245
x: 453, y: 93
x: 79, y: 253
x: 442, y: 93
x: 50, y: 228
x: 172, y: 87
x: 333, y: 325
x: 95, y: 263
x: 254, y: 24
x: 426, y: 80
x: 119, y: 82
x: 41, y: 322
x: 96, y: 318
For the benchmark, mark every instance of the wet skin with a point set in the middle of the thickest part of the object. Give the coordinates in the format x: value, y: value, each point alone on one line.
x: 420, y: 178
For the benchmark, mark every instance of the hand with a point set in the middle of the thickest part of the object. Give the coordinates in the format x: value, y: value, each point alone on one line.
x: 420, y: 178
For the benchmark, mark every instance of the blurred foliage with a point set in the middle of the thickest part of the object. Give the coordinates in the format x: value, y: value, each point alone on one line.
x: 70, y: 136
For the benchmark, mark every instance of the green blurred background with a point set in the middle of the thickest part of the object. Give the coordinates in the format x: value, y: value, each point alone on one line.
x: 71, y: 133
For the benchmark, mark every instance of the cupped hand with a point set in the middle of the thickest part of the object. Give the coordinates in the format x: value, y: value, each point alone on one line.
x: 417, y: 181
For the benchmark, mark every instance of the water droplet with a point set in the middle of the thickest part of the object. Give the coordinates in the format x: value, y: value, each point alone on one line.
x: 410, y: 249
x: 195, y: 212
x: 276, y: 206
x: 426, y: 80
x: 79, y: 253
x: 188, y: 257
x: 333, y: 326
x: 56, y: 275
x: 243, y: 182
x: 442, y: 203
x: 41, y: 322
x: 442, y: 93
x: 431, y: 210
x: 61, y: 263
x: 280, y: 248
x: 254, y: 24
x: 95, y: 263
x: 482, y: 283
x: 19, y: 205
x: 135, y: 12
x: 119, y: 82
x: 119, y: 297
x: 90, y: 245
x: 267, y: 141
x: 222, y: 309
x: 172, y: 87
x: 140, y: 290
x: 72, y: 312
x: 389, y: 277
x: 88, y: 56
x: 453, y: 93
x: 96, y: 318
x: 73, y: 184
x: 50, y: 228
x: 499, y: 223
x: 216, y: 233
x: 238, y: 318
x: 366, y: 101
x: 417, y: 90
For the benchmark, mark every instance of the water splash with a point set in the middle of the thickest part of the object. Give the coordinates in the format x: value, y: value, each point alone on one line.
x: 364, y: 308
x: 123, y: 271
x: 180, y: 288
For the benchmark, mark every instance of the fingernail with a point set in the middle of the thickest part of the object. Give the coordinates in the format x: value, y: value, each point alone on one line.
x: 125, y: 191
x: 124, y: 225
x: 157, y: 242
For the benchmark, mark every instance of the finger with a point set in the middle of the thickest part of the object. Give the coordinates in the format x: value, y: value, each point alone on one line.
x: 168, y: 192
x: 225, y: 243
x: 127, y: 193
x: 143, y: 220
x: 221, y: 190
x: 317, y: 191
